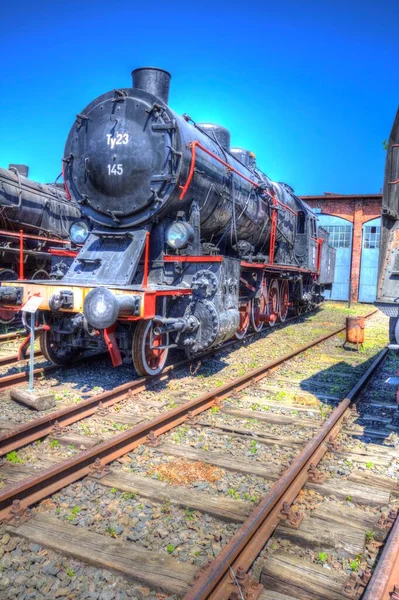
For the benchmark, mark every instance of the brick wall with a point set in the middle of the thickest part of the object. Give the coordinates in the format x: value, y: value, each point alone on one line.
x: 358, y: 210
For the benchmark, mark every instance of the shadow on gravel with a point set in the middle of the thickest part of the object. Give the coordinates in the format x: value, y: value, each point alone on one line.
x: 97, y: 371
x: 377, y: 415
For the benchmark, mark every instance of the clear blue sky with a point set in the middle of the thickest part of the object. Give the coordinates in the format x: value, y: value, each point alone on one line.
x: 310, y: 86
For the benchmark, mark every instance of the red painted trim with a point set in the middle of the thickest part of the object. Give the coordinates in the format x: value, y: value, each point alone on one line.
x: 112, y: 345
x: 149, y: 305
x: 23, y: 347
x: 146, y: 259
x: 269, y: 267
x: 194, y: 259
x: 193, y: 146
x: 27, y: 236
x: 273, y: 231
x: 68, y: 195
x: 63, y: 252
x: 197, y: 144
x: 320, y: 242
x: 21, y: 254
x: 178, y: 292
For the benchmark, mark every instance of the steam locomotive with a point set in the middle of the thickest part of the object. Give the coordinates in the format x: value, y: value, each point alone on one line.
x: 189, y: 243
x: 34, y: 229
x: 388, y: 271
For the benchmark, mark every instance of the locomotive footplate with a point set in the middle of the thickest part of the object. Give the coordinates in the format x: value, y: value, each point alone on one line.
x: 135, y: 302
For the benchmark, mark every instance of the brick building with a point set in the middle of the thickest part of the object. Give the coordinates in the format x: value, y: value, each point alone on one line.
x: 354, y: 223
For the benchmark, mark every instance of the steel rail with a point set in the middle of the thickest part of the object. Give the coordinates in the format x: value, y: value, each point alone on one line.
x: 384, y: 582
x: 11, y: 380
x: 12, y: 335
x: 38, y: 428
x: 35, y: 488
x: 215, y: 582
x: 13, y: 358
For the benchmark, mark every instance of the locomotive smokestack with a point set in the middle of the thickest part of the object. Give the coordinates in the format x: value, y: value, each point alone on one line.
x: 152, y: 80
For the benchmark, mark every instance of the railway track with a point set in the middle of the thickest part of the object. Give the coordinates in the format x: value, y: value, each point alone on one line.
x: 13, y: 359
x: 8, y: 381
x: 37, y: 428
x: 12, y: 335
x: 293, y: 421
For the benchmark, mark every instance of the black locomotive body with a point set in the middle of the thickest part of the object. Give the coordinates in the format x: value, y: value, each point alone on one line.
x: 190, y: 243
x: 388, y: 271
x: 35, y: 220
x: 42, y: 213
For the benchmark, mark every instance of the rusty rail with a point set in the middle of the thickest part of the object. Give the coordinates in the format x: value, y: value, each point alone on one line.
x: 33, y: 430
x: 35, y: 488
x: 10, y: 380
x: 384, y: 584
x: 38, y: 428
x: 12, y: 359
x: 12, y: 335
x: 215, y: 582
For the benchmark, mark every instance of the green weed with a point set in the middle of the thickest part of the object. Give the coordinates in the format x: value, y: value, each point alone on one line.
x: 322, y: 557
x: 14, y: 458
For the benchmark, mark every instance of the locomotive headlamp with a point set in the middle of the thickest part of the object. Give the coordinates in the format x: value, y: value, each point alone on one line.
x: 78, y: 232
x: 179, y: 234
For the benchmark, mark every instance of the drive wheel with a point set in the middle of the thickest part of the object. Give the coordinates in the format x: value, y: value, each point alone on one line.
x: 245, y: 318
x: 259, y: 307
x: 273, y: 302
x: 40, y: 274
x: 148, y: 357
x: 284, y: 300
x: 55, y: 351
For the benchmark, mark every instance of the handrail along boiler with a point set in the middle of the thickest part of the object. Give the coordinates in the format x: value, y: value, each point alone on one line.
x: 189, y: 245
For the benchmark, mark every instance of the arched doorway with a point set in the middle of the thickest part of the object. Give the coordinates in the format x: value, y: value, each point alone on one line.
x: 340, y: 231
x: 371, y: 232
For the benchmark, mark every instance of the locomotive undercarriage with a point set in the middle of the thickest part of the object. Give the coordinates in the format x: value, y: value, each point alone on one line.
x: 213, y: 310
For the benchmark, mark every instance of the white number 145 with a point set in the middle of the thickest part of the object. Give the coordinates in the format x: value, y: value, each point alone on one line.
x: 115, y: 169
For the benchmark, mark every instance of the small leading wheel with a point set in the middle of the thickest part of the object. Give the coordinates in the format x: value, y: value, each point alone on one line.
x: 259, y: 307
x: 7, y: 316
x: 273, y: 302
x: 56, y: 352
x: 284, y: 300
x: 148, y: 350
x: 245, y: 317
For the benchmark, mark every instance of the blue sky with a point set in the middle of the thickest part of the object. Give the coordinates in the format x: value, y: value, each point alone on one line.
x: 311, y: 87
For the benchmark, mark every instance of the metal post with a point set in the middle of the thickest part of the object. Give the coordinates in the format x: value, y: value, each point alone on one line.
x: 32, y: 351
x: 350, y: 292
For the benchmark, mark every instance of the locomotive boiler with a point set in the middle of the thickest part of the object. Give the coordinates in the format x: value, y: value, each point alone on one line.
x: 388, y: 271
x: 42, y: 213
x: 34, y: 229
x: 189, y: 242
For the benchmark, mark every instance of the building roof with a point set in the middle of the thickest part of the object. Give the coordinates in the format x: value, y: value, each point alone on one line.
x: 343, y: 197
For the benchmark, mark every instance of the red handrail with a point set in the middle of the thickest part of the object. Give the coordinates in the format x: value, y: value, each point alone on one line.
x: 193, y: 146
x: 21, y: 254
x: 273, y: 230
x: 146, y: 259
x: 320, y: 243
x: 27, y: 236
